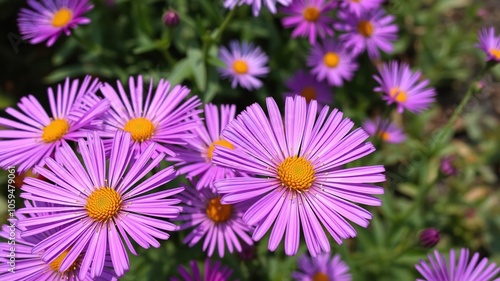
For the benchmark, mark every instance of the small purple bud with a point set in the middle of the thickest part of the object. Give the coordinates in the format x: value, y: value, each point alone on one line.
x: 429, y: 237
x: 482, y: 13
x: 448, y: 166
x: 171, y: 18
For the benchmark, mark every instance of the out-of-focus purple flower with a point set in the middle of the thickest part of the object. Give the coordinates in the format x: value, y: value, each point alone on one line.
x: 490, y: 44
x: 25, y: 143
x: 171, y: 18
x: 358, y: 6
x: 372, y: 30
x: 304, y: 84
x: 219, y: 225
x: 439, y: 269
x: 429, y: 237
x: 331, y: 61
x: 310, y: 19
x: 384, y: 129
x: 256, y: 4
x: 322, y: 268
x: 482, y: 13
x: 244, y: 63
x: 404, y: 88
x: 212, y: 272
x: 48, y: 19
x: 301, y: 181
x: 448, y: 166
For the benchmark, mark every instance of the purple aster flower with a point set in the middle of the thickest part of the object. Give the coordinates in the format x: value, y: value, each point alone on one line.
x: 310, y: 19
x: 29, y: 265
x: 195, y: 159
x: 385, y: 129
x: 331, y: 61
x: 490, y: 44
x: 304, y: 84
x: 100, y: 206
x: 256, y: 4
x: 212, y: 272
x: 358, y: 6
x: 302, y: 183
x: 322, y: 267
x: 371, y: 30
x: 36, y: 136
x: 403, y: 87
x: 219, y: 224
x: 165, y: 117
x: 244, y: 63
x: 439, y: 269
x: 47, y: 20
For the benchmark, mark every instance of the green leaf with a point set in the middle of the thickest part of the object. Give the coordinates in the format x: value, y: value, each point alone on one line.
x: 198, y: 67
x: 213, y: 86
x: 180, y: 71
x: 215, y: 61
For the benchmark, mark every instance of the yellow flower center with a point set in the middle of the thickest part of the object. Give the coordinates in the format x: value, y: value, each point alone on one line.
x: 365, y: 28
x: 55, y: 130
x: 296, y: 173
x: 55, y: 265
x: 356, y: 1
x: 320, y: 276
x: 398, y: 94
x: 240, y: 66
x: 495, y: 53
x: 140, y: 128
x: 211, y: 148
x: 331, y: 59
x: 218, y: 212
x: 62, y: 17
x: 309, y: 93
x: 384, y: 136
x: 103, y: 204
x: 311, y: 14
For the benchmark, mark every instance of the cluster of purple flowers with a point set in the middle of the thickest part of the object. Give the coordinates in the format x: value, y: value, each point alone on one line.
x: 83, y: 213
x: 248, y: 174
x: 333, y: 61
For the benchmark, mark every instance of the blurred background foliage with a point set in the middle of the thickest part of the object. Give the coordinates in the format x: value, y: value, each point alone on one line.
x: 128, y: 37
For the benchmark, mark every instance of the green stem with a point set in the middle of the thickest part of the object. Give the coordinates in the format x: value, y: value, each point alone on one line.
x: 218, y: 33
x: 470, y: 92
x: 168, y: 57
x: 86, y: 44
x: 92, y: 47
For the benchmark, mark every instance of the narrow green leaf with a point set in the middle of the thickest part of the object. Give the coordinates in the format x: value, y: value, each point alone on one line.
x: 198, y: 67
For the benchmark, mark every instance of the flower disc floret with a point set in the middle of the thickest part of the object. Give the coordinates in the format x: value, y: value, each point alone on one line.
x: 55, y: 130
x: 296, y: 173
x: 141, y: 128
x: 103, y: 204
x: 218, y: 212
x: 62, y: 17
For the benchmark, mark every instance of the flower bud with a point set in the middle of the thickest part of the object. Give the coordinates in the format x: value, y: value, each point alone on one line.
x: 429, y: 237
x: 171, y: 18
